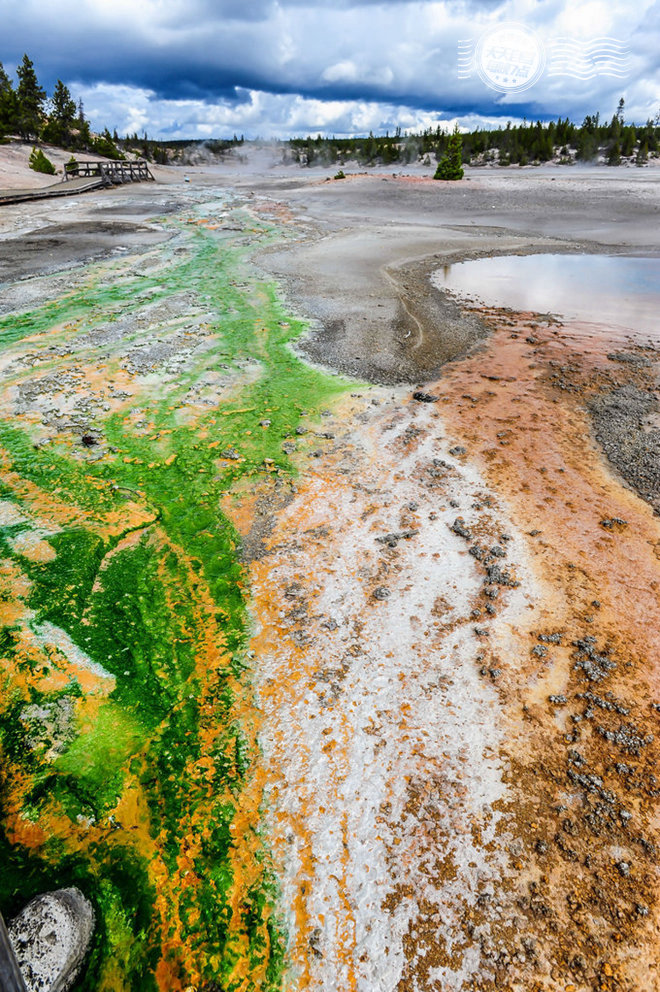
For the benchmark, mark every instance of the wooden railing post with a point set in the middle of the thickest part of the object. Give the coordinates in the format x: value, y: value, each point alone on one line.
x: 11, y: 979
x: 112, y: 173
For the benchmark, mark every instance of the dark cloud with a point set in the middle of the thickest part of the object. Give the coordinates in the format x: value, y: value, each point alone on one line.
x: 402, y: 53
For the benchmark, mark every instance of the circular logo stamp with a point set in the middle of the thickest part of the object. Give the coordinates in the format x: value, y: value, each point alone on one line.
x: 510, y: 58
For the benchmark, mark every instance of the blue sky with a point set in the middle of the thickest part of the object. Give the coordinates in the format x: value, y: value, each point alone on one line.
x: 202, y: 68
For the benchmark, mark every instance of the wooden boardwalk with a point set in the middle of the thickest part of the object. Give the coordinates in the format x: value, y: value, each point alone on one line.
x: 82, y: 177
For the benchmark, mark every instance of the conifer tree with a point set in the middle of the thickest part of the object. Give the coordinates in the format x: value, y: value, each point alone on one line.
x: 62, y: 116
x: 40, y: 163
x: 628, y: 141
x: 82, y: 124
x: 31, y: 97
x: 614, y: 157
x: 8, y: 104
x: 450, y: 165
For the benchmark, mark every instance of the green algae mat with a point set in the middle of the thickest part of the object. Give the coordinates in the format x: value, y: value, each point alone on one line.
x: 134, y: 405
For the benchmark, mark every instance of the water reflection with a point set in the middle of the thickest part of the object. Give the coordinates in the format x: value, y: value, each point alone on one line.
x: 609, y: 289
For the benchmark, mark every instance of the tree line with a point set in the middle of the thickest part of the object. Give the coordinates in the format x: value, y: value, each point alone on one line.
x: 26, y: 111
x: 514, y: 144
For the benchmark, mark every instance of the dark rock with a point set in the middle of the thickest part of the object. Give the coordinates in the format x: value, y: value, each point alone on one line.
x: 500, y: 577
x: 594, y: 664
x: 459, y: 527
x: 626, y: 737
x: 612, y: 706
x: 478, y: 552
x: 614, y: 523
x: 424, y: 397
x: 550, y: 638
x: 629, y: 358
x: 391, y: 540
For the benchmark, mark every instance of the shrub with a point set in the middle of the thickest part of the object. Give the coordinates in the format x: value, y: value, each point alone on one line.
x: 103, y: 144
x: 40, y: 163
x: 450, y: 165
x: 340, y: 175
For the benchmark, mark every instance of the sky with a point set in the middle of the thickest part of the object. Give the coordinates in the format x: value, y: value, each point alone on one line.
x: 277, y: 68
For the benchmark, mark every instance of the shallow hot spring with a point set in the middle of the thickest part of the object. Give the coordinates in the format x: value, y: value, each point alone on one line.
x: 607, y: 289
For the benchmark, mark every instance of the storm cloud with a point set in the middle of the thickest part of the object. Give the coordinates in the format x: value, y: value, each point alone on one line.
x: 266, y: 68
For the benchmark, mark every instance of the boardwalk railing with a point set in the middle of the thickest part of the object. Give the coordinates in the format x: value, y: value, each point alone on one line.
x: 81, y: 177
x: 112, y: 173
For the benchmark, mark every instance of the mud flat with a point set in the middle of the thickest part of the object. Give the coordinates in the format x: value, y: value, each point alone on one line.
x: 376, y: 239
x: 506, y: 827
x: 383, y: 649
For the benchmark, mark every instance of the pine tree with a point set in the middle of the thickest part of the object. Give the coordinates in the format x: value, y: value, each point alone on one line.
x: 8, y: 104
x: 31, y: 97
x: 82, y: 124
x: 628, y: 141
x: 62, y: 116
x: 450, y: 165
x: 40, y: 163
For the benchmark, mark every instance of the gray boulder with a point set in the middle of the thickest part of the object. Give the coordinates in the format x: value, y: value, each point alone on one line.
x: 50, y: 937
